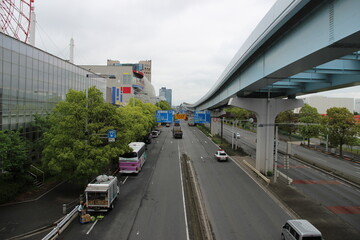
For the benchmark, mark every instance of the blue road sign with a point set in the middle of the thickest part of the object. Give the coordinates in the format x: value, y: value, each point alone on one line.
x: 163, y: 116
x: 202, y: 117
x: 111, y: 133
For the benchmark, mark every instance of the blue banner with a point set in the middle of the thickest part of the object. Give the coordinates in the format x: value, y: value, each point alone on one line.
x: 164, y: 116
x: 202, y: 117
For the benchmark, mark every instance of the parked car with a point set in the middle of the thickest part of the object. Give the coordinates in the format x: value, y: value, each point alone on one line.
x: 154, y: 134
x: 167, y: 124
x: 221, y: 155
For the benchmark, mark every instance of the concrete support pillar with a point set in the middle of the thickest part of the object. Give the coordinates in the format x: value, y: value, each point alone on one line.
x: 215, y: 125
x: 266, y: 110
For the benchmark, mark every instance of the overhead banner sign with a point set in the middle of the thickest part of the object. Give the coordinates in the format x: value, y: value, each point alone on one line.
x: 180, y: 116
x: 202, y: 117
x: 163, y: 116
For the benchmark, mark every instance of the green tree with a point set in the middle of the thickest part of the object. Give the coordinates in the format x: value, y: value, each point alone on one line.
x: 341, y: 127
x: 238, y: 113
x: 288, y: 118
x: 41, y: 124
x: 163, y: 105
x: 13, y: 153
x: 309, y: 115
x: 75, y: 145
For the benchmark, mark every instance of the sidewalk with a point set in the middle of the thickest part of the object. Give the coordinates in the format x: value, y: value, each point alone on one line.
x: 331, y: 226
x: 20, y: 218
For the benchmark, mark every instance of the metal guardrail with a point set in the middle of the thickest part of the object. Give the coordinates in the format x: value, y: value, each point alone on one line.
x: 62, y: 224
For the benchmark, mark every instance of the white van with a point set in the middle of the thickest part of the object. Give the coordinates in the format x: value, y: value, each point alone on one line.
x: 300, y: 229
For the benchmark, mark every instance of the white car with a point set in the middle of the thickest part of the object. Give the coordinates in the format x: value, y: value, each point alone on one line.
x: 238, y: 135
x: 221, y: 155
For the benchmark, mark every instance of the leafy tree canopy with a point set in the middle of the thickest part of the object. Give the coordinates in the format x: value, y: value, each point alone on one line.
x: 309, y: 115
x: 287, y: 118
x: 163, y: 105
x: 238, y: 113
x: 13, y: 153
x: 341, y: 126
x: 76, y: 147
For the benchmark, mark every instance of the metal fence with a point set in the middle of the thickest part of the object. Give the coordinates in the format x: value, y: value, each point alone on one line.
x: 62, y: 224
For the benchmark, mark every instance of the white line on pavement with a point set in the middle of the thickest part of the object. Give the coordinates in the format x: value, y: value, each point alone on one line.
x: 92, y: 227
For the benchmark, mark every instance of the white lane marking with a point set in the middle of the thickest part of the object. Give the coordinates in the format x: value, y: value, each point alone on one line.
x: 183, y: 196
x: 125, y: 180
x: 91, y: 227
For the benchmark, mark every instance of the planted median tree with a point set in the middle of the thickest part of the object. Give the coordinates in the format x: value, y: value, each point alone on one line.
x: 341, y: 127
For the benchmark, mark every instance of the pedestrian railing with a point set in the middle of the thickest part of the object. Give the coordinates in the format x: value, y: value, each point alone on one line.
x: 60, y: 227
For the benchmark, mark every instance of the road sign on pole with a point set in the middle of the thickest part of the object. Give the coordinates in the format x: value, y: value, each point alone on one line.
x: 111, y: 133
x: 163, y: 116
x: 202, y: 116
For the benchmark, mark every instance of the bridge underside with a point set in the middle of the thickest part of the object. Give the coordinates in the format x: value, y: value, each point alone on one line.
x: 314, y: 50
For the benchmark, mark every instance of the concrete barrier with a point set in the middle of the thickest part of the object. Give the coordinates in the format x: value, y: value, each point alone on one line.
x: 257, y: 172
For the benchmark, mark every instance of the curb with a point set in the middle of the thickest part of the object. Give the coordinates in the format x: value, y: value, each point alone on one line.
x: 32, y: 200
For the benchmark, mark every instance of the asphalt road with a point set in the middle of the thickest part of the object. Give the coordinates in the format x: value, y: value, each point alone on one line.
x: 133, y: 216
x: 151, y: 205
x: 339, y: 197
x: 237, y: 206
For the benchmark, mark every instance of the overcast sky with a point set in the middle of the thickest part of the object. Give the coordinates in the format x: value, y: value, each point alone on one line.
x: 190, y: 42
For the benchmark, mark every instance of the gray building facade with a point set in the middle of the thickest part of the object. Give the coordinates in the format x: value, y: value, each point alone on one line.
x: 33, y: 82
x: 167, y: 93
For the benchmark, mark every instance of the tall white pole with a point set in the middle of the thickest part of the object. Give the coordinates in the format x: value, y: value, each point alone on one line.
x: 276, y: 152
x: 71, y: 50
x: 32, y: 27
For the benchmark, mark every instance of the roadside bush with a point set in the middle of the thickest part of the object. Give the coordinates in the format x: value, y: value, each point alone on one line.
x: 9, y: 188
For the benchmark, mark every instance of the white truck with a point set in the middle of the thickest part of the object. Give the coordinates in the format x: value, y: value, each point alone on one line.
x: 101, y: 193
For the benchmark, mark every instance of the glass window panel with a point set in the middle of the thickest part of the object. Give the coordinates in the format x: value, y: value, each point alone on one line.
x: 15, y: 57
x: 15, y: 45
x: 7, y: 55
x: 22, y: 60
x: 29, y: 51
x: 15, y: 69
x: 7, y: 68
x: 23, y: 49
x: 29, y: 62
x: 7, y: 42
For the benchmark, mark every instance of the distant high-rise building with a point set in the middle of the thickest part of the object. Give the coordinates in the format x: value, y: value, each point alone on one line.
x: 146, y: 68
x: 167, y: 93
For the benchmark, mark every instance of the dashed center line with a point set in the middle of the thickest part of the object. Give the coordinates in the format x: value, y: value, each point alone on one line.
x: 92, y: 227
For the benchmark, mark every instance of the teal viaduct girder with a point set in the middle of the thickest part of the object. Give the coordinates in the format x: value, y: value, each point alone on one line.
x: 299, y: 47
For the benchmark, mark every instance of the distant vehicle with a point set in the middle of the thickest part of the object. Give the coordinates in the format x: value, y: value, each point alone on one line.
x: 167, y: 124
x: 154, y: 134
x: 158, y: 130
x: 101, y: 193
x: 300, y: 229
x: 132, y: 162
x: 237, y: 135
x: 221, y: 155
x: 191, y: 121
x: 177, y: 123
x: 177, y: 132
